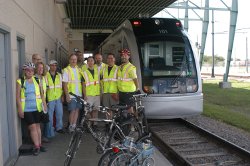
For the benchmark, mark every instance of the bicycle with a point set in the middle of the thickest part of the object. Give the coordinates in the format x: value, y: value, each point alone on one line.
x: 140, y: 111
x: 129, y: 153
x: 103, y: 141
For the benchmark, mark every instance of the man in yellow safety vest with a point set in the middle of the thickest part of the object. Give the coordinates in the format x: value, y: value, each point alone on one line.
x: 54, y: 98
x: 91, y: 88
x: 127, y: 79
x: 109, y: 82
x: 72, y: 79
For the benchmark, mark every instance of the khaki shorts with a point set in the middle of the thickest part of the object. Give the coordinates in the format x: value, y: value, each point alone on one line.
x: 107, y: 100
x: 94, y: 102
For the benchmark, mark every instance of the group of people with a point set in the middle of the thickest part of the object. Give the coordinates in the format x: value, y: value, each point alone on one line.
x: 98, y: 83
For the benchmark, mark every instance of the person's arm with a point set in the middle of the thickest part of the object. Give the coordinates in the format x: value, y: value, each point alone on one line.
x: 136, y: 84
x: 84, y: 90
x: 66, y: 92
x: 42, y: 97
x: 18, y: 100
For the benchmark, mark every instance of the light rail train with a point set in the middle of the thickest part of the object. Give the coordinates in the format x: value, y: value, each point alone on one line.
x: 167, y: 68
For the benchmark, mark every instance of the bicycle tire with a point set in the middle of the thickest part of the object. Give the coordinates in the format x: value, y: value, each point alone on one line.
x: 105, y: 158
x: 116, y: 136
x: 142, y: 118
x: 121, y: 159
x: 73, y: 146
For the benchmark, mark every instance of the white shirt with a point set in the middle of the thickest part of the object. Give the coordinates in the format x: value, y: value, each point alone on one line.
x: 66, y: 79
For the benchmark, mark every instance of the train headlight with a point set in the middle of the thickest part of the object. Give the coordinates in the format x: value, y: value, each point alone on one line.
x: 148, y: 89
x: 157, y: 22
x: 191, y: 85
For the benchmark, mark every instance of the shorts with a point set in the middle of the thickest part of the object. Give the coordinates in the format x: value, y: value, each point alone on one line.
x: 32, y: 117
x: 94, y: 102
x: 73, y: 105
x: 107, y: 100
x: 126, y: 98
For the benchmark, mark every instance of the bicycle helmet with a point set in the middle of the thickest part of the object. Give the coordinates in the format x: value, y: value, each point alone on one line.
x: 28, y: 65
x: 125, y: 51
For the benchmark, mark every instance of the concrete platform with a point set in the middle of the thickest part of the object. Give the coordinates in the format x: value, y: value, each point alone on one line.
x: 86, y: 155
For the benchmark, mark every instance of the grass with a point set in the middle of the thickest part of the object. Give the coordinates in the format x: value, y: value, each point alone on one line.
x: 231, y: 106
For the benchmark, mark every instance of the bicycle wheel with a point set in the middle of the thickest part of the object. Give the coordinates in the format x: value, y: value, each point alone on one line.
x: 73, y: 146
x: 142, y: 118
x: 129, y: 128
x: 105, y: 158
x: 121, y: 159
x: 149, y: 161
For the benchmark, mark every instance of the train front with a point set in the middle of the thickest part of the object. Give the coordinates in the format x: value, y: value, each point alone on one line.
x: 170, y: 72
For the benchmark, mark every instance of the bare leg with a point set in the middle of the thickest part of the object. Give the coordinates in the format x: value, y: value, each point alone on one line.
x: 34, y: 134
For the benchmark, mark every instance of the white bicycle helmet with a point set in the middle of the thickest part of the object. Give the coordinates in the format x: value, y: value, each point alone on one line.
x: 29, y: 65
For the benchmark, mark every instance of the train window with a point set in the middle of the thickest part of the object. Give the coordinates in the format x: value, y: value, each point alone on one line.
x: 168, y: 65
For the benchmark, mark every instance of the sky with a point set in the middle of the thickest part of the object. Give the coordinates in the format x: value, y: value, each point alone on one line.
x: 221, y: 27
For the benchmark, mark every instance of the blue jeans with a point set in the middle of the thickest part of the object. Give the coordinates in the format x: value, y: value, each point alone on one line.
x: 54, y: 106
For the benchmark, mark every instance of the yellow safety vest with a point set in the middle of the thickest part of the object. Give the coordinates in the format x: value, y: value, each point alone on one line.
x: 84, y: 67
x: 126, y: 84
x: 110, y: 81
x: 100, y: 68
x: 72, y: 82
x: 54, y: 90
x: 92, y: 84
x: 37, y: 91
x: 44, y: 83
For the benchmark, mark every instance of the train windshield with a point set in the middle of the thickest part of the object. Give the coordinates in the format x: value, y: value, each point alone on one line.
x: 167, y: 64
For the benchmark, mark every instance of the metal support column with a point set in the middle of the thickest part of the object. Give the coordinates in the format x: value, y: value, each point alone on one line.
x: 246, y: 54
x: 212, y: 44
x: 186, y: 17
x: 233, y: 21
x: 205, y: 23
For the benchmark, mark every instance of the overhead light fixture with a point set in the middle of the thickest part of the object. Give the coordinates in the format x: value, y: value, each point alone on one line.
x: 60, y: 1
x: 66, y: 20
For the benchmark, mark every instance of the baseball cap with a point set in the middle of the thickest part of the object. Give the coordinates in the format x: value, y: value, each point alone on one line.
x: 51, y: 62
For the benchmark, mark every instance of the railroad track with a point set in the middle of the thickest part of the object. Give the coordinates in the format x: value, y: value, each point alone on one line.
x: 184, y: 143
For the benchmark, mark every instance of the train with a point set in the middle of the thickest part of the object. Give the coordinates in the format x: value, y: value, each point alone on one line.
x: 167, y: 67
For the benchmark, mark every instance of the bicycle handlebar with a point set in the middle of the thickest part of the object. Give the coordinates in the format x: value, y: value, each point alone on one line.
x: 79, y: 98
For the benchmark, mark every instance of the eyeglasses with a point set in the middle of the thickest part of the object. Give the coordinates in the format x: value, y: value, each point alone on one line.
x: 29, y: 70
x: 53, y: 65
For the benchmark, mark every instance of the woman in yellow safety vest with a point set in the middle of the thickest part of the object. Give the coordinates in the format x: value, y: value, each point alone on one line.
x: 30, y: 104
x: 40, y: 73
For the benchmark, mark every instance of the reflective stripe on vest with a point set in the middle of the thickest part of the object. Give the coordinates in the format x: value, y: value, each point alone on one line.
x: 110, y: 80
x: 126, y: 84
x: 71, y: 79
x: 37, y: 91
x: 54, y: 90
x: 92, y: 84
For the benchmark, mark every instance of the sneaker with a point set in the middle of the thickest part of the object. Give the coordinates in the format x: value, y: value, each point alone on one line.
x: 61, y: 131
x: 71, y: 129
x: 36, y: 151
x: 43, y: 149
x: 45, y: 140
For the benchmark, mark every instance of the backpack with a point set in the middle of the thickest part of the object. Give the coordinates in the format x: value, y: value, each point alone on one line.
x: 22, y: 82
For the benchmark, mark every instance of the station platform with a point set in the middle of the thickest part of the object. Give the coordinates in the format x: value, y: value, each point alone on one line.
x: 86, y: 155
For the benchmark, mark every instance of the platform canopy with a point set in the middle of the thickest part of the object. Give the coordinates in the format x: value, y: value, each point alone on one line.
x: 109, y: 14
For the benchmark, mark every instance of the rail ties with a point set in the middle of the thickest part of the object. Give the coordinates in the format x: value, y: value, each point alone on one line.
x: 183, y: 143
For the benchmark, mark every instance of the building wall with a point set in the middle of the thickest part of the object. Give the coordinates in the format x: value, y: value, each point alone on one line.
x: 39, y: 23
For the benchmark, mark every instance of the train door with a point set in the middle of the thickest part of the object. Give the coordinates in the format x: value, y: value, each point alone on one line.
x: 4, y: 140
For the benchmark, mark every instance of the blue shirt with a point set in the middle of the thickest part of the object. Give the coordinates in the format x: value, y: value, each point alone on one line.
x: 30, y: 97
